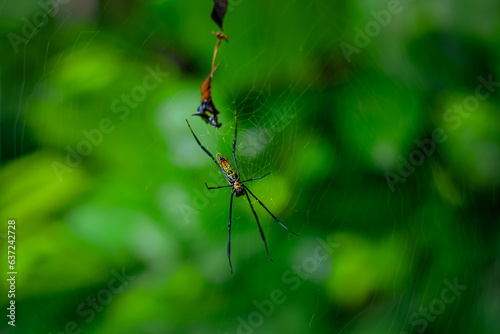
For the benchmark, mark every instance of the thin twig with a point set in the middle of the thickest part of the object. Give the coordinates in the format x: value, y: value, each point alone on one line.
x: 220, y: 36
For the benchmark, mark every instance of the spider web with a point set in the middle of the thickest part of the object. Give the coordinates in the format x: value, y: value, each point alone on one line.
x: 302, y: 115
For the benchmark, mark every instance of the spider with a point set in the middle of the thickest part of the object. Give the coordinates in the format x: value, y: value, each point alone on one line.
x: 237, y: 188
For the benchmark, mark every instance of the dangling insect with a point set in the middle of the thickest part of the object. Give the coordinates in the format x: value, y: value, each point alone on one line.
x: 237, y: 188
x: 207, y: 109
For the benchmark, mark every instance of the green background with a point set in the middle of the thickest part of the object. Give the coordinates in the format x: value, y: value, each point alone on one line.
x: 338, y: 134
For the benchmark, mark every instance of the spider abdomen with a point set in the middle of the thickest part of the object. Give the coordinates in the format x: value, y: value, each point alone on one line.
x: 228, y: 170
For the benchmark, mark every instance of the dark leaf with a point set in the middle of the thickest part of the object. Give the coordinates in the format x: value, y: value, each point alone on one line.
x: 220, y: 8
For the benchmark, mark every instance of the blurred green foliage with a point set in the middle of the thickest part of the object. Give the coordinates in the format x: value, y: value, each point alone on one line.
x: 125, y: 238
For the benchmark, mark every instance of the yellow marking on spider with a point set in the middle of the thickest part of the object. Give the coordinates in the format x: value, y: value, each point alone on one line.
x: 228, y: 169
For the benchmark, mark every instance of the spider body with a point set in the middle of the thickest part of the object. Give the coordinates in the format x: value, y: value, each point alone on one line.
x: 232, y: 177
x: 228, y: 170
x: 237, y: 188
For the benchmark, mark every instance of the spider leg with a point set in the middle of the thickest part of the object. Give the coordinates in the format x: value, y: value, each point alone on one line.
x: 229, y: 233
x: 226, y: 186
x: 234, y: 143
x: 256, y: 178
x: 206, y: 151
x: 260, y: 228
x: 286, y: 228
